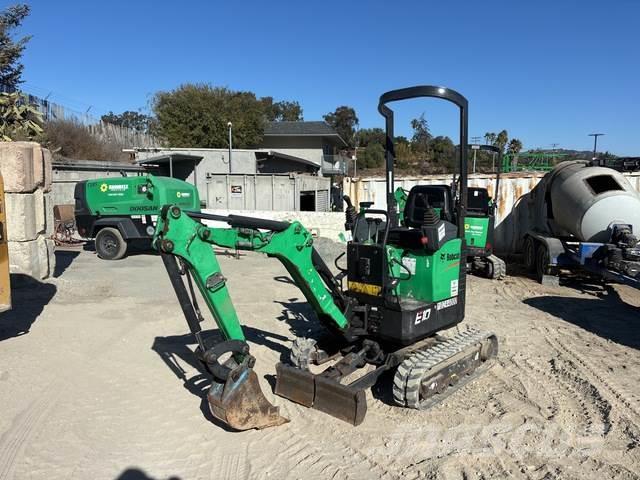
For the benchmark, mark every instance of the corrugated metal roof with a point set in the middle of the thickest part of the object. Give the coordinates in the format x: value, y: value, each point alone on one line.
x: 301, y: 128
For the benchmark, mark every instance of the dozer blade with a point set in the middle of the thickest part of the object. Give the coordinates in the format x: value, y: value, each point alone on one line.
x: 240, y: 403
x: 321, y: 393
x: 295, y: 384
x: 340, y: 401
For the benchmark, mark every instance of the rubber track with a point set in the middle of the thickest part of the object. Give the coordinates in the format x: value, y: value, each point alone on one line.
x: 406, y: 382
x: 499, y: 267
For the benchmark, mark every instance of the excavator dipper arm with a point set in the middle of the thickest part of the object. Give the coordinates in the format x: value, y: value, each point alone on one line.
x: 235, y: 396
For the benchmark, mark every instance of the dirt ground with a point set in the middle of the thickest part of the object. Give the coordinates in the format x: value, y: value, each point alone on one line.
x: 97, y: 381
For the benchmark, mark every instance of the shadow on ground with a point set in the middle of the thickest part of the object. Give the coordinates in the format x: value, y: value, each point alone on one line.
x: 608, y: 316
x: 137, y: 474
x: 180, y: 348
x: 29, y: 297
x: 64, y: 258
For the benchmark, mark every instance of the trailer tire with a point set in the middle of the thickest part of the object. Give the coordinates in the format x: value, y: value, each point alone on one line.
x: 110, y: 245
x: 529, y: 252
x: 542, y: 262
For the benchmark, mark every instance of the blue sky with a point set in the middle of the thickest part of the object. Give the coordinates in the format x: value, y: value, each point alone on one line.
x: 547, y: 71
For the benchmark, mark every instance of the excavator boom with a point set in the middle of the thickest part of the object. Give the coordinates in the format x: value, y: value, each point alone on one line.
x: 235, y: 396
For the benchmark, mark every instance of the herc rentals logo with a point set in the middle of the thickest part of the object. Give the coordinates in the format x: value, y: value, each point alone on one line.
x: 114, y: 189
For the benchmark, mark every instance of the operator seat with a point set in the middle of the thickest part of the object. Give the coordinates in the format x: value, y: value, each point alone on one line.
x: 478, y: 201
x: 435, y: 196
x: 422, y: 198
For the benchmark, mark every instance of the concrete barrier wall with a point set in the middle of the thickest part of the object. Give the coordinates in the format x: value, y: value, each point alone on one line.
x: 27, y: 175
x: 321, y: 224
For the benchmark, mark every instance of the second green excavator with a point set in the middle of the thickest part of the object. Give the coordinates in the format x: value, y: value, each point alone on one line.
x: 404, y: 284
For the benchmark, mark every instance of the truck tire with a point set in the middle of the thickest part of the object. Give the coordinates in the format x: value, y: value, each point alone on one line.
x: 110, y: 245
x: 529, y: 253
x: 542, y: 262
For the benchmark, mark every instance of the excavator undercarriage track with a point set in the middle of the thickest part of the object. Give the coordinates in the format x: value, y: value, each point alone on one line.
x: 429, y: 376
x: 490, y: 267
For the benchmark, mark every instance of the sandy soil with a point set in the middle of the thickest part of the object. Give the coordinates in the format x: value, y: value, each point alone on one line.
x: 96, y: 381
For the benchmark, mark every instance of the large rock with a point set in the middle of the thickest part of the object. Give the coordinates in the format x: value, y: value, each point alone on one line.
x: 51, y: 255
x: 34, y: 258
x: 17, y: 166
x: 48, y: 215
x: 47, y: 165
x: 38, y: 163
x: 25, y: 215
x: 42, y: 212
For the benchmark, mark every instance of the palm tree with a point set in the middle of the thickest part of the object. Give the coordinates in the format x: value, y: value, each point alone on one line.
x: 501, y: 140
x: 489, y: 138
x: 515, y: 146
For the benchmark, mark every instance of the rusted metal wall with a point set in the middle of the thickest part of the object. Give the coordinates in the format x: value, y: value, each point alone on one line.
x: 509, y: 228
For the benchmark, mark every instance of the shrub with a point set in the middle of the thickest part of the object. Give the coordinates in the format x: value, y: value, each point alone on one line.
x: 70, y: 139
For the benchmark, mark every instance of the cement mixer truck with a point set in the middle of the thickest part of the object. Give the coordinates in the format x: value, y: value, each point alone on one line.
x: 583, y: 216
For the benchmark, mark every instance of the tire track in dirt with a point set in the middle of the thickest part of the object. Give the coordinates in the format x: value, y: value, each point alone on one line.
x: 14, y: 441
x: 325, y: 457
x: 232, y: 467
x: 589, y: 384
x: 591, y: 402
x: 619, y: 395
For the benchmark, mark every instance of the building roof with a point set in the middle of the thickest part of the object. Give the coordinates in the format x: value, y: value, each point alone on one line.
x: 173, y: 157
x: 262, y: 155
x: 302, y: 129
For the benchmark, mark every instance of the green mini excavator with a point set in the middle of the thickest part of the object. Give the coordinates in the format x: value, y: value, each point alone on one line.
x: 404, y: 284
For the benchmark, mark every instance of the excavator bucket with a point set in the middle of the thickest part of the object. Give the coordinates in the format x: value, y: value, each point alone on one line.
x: 240, y: 403
x: 321, y: 393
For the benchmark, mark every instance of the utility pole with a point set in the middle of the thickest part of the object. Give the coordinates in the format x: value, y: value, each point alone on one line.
x: 475, y: 141
x: 553, y: 149
x: 595, y: 142
x: 230, y: 125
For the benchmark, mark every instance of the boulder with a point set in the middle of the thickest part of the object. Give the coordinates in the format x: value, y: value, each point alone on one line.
x: 17, y: 166
x: 25, y: 215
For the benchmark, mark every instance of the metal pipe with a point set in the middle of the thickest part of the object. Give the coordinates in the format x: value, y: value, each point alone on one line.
x: 230, y: 125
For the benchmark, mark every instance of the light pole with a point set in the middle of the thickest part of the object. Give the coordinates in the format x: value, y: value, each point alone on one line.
x: 475, y: 141
x: 595, y: 142
x: 230, y: 125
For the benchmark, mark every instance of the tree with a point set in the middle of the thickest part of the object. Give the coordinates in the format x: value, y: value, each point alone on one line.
x: 129, y: 119
x: 501, y: 140
x: 20, y: 120
x: 515, y: 146
x: 281, y: 111
x: 10, y: 48
x: 404, y: 156
x: 421, y: 134
x: 367, y: 136
x: 444, y: 151
x: 196, y: 115
x: 343, y: 120
x: 373, y: 156
x: 489, y: 138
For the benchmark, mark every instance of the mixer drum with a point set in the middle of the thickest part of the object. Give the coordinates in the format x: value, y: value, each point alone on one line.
x: 585, y: 200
